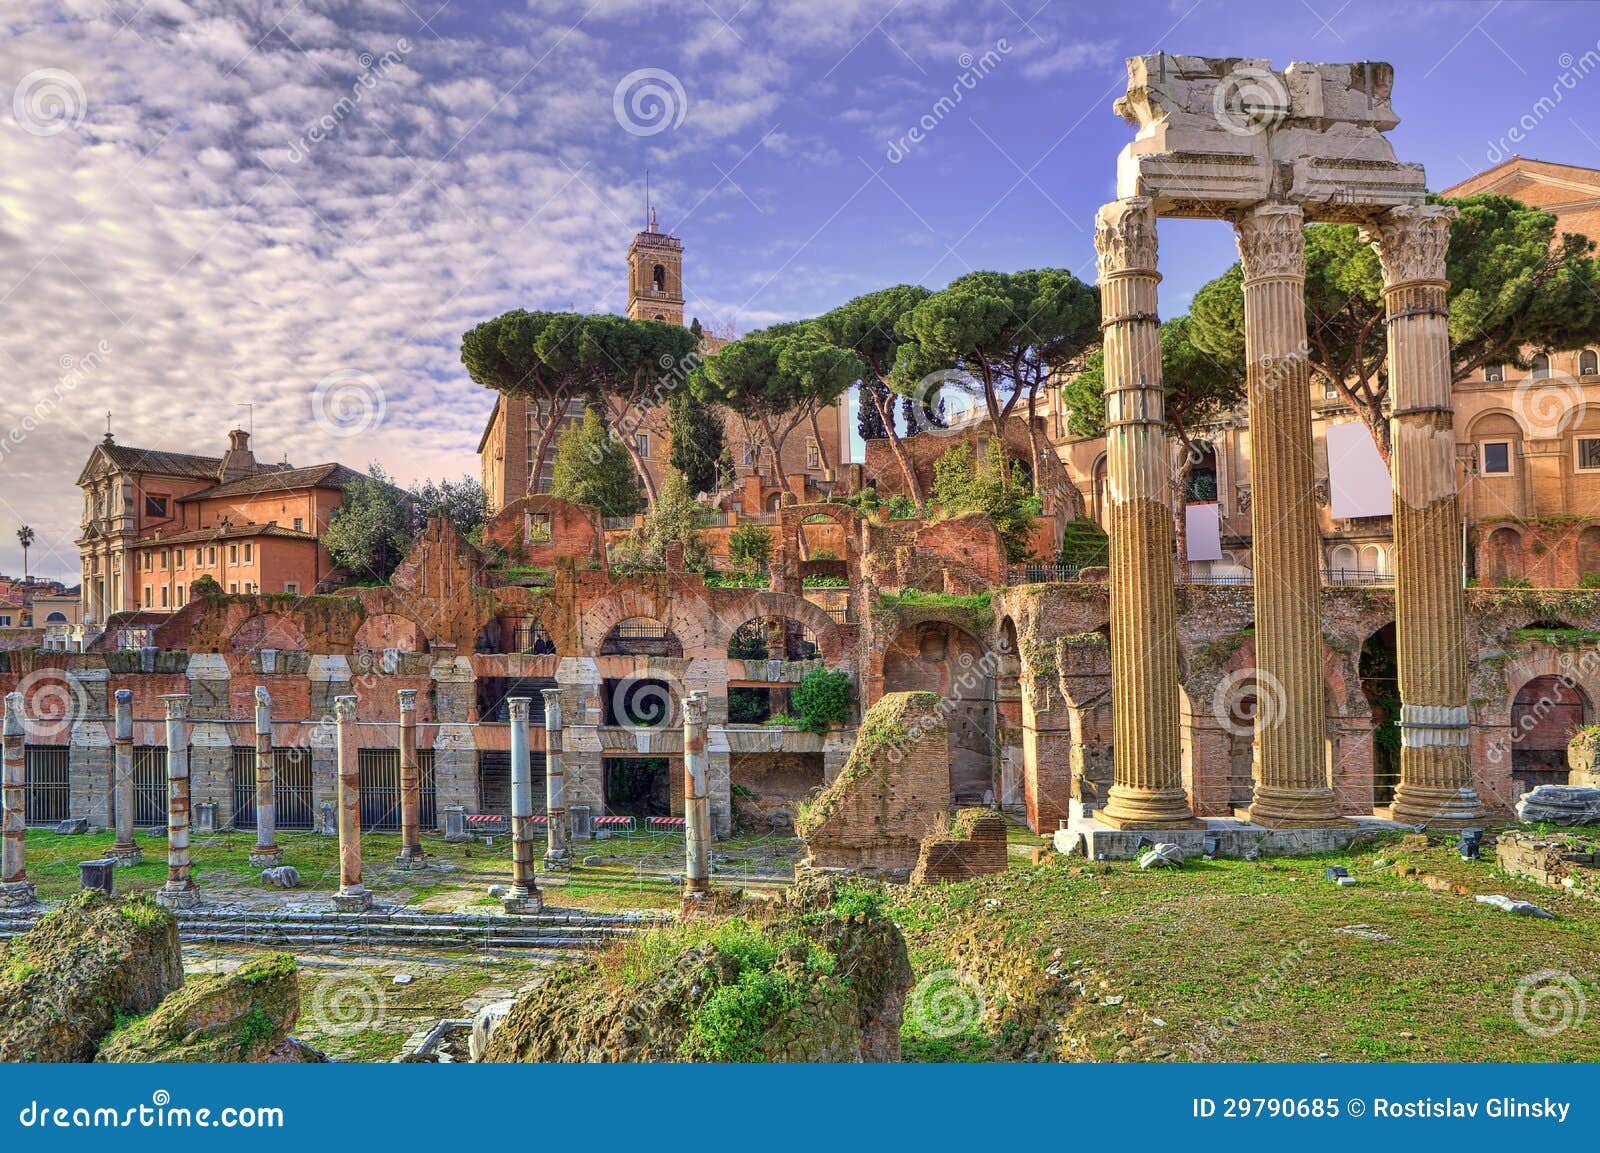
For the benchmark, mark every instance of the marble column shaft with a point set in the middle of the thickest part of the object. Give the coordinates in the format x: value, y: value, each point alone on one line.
x: 180, y: 883
x: 14, y: 788
x: 696, y: 799
x: 1291, y: 765
x: 558, y: 828
x: 523, y: 883
x: 1430, y: 604
x: 349, y: 800
x: 266, y: 853
x: 125, y: 850
x: 1147, y: 791
x: 410, y: 782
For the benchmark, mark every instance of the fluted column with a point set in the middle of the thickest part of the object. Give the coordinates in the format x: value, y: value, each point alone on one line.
x: 1430, y: 605
x: 524, y: 896
x: 126, y: 850
x: 16, y: 891
x: 558, y: 828
x: 266, y: 854
x: 353, y: 896
x: 1147, y: 791
x: 411, y: 854
x: 180, y: 891
x: 1291, y: 763
x: 696, y: 799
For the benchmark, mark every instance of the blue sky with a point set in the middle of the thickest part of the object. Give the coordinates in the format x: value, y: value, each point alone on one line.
x: 301, y: 205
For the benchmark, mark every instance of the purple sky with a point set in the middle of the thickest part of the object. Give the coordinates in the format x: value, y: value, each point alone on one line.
x: 302, y: 207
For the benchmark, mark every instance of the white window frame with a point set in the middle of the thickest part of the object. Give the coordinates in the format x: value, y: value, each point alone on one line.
x: 292, y: 588
x: 1483, y: 458
x: 1577, y: 454
x: 1494, y: 373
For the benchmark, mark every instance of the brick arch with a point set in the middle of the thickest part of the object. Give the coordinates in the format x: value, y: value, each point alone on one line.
x: 390, y: 631
x: 1539, y: 660
x: 728, y: 616
x: 269, y: 630
x: 623, y: 602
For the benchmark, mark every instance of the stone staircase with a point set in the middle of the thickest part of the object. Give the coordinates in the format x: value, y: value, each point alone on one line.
x: 556, y: 931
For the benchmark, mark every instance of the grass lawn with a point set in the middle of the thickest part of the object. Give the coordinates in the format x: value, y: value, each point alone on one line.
x: 1246, y: 961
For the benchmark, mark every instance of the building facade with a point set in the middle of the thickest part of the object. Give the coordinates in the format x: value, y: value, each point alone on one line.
x: 155, y: 522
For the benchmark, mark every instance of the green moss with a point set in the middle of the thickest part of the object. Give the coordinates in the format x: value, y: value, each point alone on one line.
x: 978, y: 604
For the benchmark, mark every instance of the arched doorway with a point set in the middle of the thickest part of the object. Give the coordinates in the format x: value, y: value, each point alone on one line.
x: 1380, y: 684
x: 1505, y: 555
x: 943, y: 658
x: 1545, y: 714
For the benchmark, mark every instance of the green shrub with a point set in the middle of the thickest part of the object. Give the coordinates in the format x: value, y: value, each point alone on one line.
x: 823, y: 699
x: 1589, y: 580
x: 749, y: 546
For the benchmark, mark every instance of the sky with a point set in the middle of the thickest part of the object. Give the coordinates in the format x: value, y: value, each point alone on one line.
x: 283, y: 215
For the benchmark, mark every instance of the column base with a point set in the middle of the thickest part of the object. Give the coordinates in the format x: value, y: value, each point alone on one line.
x: 18, y: 895
x: 1128, y: 808
x: 558, y: 859
x: 175, y: 899
x: 1437, y: 808
x: 126, y: 856
x: 356, y: 900
x: 411, y: 857
x: 266, y: 857
x: 1287, y: 808
x: 518, y: 905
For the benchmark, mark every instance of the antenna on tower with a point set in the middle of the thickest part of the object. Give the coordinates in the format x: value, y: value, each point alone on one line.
x: 649, y: 209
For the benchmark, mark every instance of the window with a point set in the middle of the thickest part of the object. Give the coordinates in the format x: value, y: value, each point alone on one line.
x: 536, y: 528
x: 233, y: 587
x: 1541, y: 365
x: 1589, y: 363
x: 233, y: 554
x: 177, y: 557
x: 249, y: 587
x: 749, y: 454
x: 1494, y: 372
x: 249, y: 551
x: 1329, y: 392
x: 149, y: 594
x: 211, y: 555
x: 1588, y: 454
x: 1496, y: 458
x: 180, y: 599
x: 155, y: 506
x: 165, y: 556
x: 163, y: 596
x: 299, y: 524
x: 642, y: 443
x: 292, y: 587
x: 813, y: 454
x: 149, y: 561
x: 5, y: 620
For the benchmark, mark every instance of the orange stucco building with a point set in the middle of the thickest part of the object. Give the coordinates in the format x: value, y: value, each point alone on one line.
x: 155, y: 522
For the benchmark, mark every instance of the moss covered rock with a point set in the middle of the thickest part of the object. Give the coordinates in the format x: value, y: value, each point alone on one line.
x: 806, y: 984
x: 244, y: 1015
x: 94, y: 960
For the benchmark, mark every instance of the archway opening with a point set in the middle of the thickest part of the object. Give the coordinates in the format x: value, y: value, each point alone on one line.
x: 945, y: 659
x: 1545, y: 714
x: 641, y: 637
x: 1380, y: 683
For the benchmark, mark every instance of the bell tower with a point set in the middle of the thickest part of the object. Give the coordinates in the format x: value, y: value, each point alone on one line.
x: 655, y: 275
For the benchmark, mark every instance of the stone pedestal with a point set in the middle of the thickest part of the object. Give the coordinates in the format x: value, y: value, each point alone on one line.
x: 176, y: 899
x: 1147, y: 792
x: 1430, y: 605
x: 517, y: 906
x: 266, y: 858
x: 356, y: 900
x: 1291, y: 768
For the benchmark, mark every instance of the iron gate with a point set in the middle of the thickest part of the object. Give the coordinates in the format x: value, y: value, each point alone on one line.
x: 150, y: 786
x: 291, y: 788
x: 48, y: 780
x: 380, y: 788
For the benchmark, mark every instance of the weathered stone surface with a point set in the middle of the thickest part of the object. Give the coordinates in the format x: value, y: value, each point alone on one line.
x: 1163, y: 856
x: 974, y: 846
x: 1560, y: 805
x: 244, y: 1015
x: 894, y: 790
x: 65, y: 981
x: 1510, y: 905
x: 281, y: 876
x: 1556, y: 861
x: 813, y: 983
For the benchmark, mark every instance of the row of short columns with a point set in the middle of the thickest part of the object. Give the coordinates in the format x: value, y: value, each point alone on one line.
x: 1293, y: 777
x: 180, y: 891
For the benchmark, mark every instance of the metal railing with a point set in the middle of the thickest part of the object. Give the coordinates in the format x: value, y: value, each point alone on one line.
x: 1028, y: 574
x: 292, y: 806
x: 48, y: 778
x: 1046, y: 573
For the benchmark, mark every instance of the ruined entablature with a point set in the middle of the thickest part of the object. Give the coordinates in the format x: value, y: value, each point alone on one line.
x: 1216, y: 135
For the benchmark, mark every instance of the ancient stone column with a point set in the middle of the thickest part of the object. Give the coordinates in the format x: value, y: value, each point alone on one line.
x: 126, y: 851
x: 180, y: 891
x: 1147, y: 792
x: 524, y: 896
x: 558, y: 828
x: 411, y: 853
x: 1430, y: 605
x: 1291, y: 763
x: 266, y: 854
x: 353, y: 896
x: 16, y: 891
x: 696, y: 800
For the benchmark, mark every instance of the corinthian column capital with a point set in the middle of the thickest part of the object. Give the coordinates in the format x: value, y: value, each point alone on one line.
x: 1125, y: 236
x: 1412, y: 241
x: 1272, y: 241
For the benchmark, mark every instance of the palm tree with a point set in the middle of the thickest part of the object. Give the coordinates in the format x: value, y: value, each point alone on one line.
x: 25, y: 537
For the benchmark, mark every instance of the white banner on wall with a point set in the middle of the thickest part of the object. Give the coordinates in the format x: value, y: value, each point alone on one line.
x: 1203, y: 532
x: 1358, y: 481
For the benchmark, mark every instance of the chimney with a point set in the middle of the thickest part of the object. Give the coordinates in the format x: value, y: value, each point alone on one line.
x: 238, y: 461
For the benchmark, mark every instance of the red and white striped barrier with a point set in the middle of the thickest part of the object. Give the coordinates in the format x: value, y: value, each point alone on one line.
x: 627, y: 824
x: 676, y: 824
